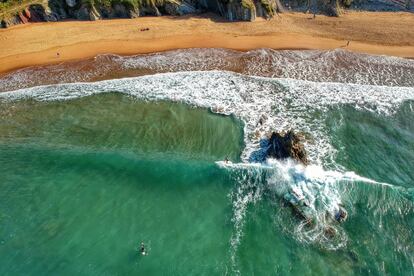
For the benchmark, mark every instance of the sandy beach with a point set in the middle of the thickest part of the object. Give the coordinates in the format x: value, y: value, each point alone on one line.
x: 48, y: 43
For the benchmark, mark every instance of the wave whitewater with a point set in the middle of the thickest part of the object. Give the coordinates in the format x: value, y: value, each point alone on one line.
x: 282, y: 89
x: 324, y: 190
x: 281, y: 103
x: 318, y: 66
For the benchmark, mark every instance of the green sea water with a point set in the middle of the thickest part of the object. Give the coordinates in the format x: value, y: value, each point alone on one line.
x: 84, y: 181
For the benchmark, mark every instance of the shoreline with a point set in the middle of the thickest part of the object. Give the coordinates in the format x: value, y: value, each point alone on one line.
x: 51, y: 43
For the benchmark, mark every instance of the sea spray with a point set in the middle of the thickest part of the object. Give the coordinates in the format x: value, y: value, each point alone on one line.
x: 323, y: 190
x: 279, y: 178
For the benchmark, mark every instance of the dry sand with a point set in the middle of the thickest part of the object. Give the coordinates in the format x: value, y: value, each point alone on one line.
x: 40, y: 43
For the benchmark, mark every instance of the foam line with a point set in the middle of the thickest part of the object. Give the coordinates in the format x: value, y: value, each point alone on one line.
x: 283, y: 103
x: 319, y: 66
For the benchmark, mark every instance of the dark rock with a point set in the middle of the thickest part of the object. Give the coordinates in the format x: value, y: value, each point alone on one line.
x: 82, y: 13
x: 233, y: 10
x: 120, y: 11
x: 87, y: 12
x: 188, y: 8
x: 179, y: 8
x: 287, y: 145
x: 51, y: 16
x: 3, y: 24
x: 11, y: 21
x: 172, y: 8
x: 149, y: 10
x: 330, y: 232
x: 238, y: 11
x: 36, y: 13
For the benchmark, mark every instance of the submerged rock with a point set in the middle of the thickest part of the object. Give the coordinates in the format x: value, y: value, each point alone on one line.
x: 287, y: 145
x: 300, y: 205
x: 341, y: 215
x: 329, y: 232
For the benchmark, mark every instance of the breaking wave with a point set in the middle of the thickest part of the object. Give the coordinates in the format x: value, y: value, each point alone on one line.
x: 268, y: 90
x: 279, y: 104
x: 325, y: 193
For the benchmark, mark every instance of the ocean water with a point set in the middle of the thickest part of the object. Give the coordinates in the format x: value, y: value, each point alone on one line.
x: 100, y: 155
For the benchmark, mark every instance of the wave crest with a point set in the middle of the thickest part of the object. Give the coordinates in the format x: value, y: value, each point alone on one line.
x: 284, y: 103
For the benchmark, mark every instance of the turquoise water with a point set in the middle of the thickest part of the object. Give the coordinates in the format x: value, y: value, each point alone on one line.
x: 88, y: 171
x: 381, y: 148
x: 82, y: 186
x: 85, y: 181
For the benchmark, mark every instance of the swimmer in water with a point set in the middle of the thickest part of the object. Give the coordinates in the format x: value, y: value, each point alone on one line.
x: 142, y: 249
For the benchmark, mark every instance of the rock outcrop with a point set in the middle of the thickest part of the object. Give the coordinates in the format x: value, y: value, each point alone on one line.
x: 287, y: 145
x: 32, y: 13
x: 232, y: 10
x: 248, y: 10
x: 53, y: 10
x: 10, y: 21
x: 71, y: 3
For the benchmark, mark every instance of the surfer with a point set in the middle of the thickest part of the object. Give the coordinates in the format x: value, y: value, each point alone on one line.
x: 226, y: 160
x: 262, y: 119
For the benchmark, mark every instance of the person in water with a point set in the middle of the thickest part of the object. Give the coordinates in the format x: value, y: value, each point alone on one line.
x: 142, y: 249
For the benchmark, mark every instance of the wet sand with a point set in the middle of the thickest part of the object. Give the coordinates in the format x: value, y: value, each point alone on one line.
x: 50, y: 43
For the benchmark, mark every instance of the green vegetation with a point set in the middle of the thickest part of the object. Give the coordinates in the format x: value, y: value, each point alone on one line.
x: 13, y: 7
x: 110, y: 3
x: 127, y: 3
x: 268, y: 7
x: 5, y: 4
x: 346, y: 3
x: 248, y: 4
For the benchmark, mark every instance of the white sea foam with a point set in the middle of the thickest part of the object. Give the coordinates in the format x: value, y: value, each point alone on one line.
x: 249, y: 190
x: 281, y: 103
x: 296, y: 90
x: 319, y: 187
x: 320, y: 66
